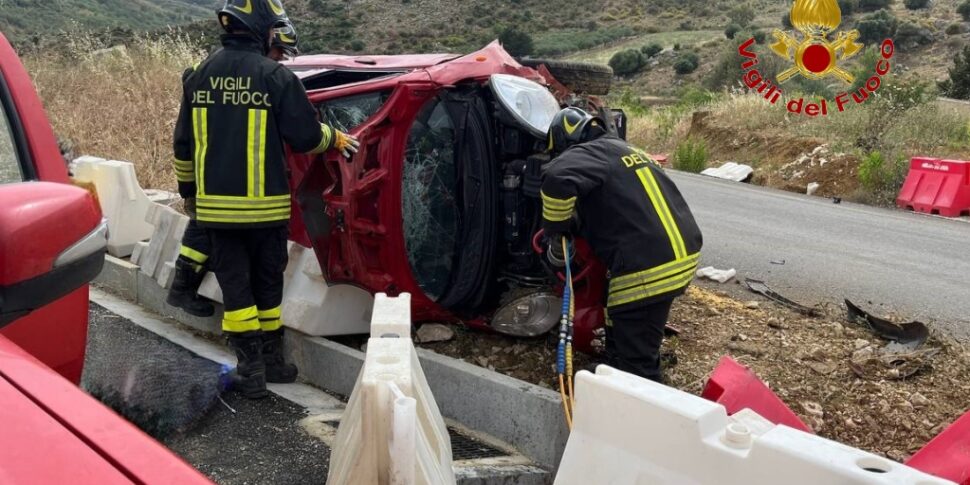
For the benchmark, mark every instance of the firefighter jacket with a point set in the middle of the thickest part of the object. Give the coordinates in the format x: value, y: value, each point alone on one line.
x: 631, y: 214
x: 238, y: 109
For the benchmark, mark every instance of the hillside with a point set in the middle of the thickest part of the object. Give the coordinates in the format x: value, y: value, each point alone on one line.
x: 26, y: 21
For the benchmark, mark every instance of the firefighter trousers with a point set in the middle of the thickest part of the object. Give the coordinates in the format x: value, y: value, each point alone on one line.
x: 249, y: 265
x: 196, y: 246
x: 634, y: 337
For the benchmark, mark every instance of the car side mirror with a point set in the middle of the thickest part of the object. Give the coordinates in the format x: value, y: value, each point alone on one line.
x: 52, y: 241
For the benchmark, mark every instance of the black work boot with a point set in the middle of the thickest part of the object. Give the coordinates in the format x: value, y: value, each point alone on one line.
x: 250, y: 376
x: 277, y: 370
x: 183, y: 293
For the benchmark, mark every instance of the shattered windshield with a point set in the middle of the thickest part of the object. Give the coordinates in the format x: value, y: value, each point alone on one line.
x: 429, y: 198
x: 350, y: 112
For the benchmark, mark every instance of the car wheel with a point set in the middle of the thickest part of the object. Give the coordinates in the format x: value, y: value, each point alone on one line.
x: 581, y: 77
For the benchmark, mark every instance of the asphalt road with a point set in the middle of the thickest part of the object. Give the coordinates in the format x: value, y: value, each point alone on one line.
x: 888, y: 261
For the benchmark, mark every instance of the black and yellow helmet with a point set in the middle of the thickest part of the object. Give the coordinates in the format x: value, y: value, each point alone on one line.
x: 570, y: 127
x: 285, y: 38
x: 259, y: 17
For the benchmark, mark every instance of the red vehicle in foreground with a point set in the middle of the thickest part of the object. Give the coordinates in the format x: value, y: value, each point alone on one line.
x: 52, y: 242
x: 442, y: 201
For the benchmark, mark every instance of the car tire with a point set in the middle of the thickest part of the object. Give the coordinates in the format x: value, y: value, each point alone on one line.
x: 581, y: 77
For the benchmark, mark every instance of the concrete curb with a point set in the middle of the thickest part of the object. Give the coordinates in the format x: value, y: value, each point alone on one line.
x: 525, y: 416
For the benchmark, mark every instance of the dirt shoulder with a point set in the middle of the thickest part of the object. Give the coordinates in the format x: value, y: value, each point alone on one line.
x: 806, y: 361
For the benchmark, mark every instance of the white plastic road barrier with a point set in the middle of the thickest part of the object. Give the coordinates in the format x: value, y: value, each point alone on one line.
x: 315, y: 308
x: 310, y: 305
x: 165, y: 243
x: 123, y: 202
x: 392, y: 431
x: 628, y: 430
x: 730, y: 171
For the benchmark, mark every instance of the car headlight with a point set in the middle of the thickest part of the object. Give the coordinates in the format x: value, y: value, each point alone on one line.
x: 529, y: 316
x: 532, y: 105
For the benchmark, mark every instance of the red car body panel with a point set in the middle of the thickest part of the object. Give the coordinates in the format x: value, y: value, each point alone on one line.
x: 361, y: 197
x: 57, y: 334
x: 55, y: 434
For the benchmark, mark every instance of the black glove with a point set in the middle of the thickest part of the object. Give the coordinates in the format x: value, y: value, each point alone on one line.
x: 189, y: 205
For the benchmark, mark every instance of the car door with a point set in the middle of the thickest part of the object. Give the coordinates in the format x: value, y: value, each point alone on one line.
x: 52, y: 235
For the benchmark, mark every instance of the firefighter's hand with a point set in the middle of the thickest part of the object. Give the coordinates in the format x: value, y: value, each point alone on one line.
x: 346, y: 144
x: 189, y: 205
x: 555, y: 253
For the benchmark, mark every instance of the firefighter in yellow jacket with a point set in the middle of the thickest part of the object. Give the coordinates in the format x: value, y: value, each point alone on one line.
x: 637, y: 223
x: 238, y: 109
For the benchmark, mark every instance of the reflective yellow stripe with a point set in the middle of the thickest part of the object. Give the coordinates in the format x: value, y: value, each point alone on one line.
x: 254, y: 212
x: 653, y: 289
x: 270, y: 320
x: 325, y: 141
x: 555, y: 203
x: 660, y: 205
x: 255, y: 151
x: 244, y: 216
x: 200, y: 122
x: 245, y: 320
x: 552, y: 215
x: 254, y: 205
x: 270, y: 314
x: 659, y: 272
x: 243, y: 198
x: 194, y: 255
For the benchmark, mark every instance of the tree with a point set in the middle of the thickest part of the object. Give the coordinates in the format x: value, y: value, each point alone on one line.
x: 873, y: 5
x: 516, y: 42
x: 876, y: 27
x: 964, y: 10
x: 627, y: 62
x: 848, y: 7
x: 742, y: 15
x: 651, y: 50
x: 958, y: 86
x: 916, y: 4
x: 731, y: 30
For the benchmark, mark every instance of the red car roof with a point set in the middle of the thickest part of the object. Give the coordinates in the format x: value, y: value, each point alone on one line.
x: 403, y: 62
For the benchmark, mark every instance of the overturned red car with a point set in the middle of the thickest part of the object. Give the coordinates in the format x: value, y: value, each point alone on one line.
x: 442, y: 201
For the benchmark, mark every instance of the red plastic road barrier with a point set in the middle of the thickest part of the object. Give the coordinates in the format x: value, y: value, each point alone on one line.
x: 735, y: 387
x: 661, y: 159
x: 936, y: 186
x: 948, y: 455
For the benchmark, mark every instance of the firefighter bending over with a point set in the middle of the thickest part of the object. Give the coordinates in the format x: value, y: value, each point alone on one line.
x: 636, y: 222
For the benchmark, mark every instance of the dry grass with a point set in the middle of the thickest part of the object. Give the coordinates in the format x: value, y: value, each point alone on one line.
x: 119, y: 103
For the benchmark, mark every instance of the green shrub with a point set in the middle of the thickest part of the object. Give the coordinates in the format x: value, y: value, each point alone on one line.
x: 691, y: 156
x: 677, y: 45
x: 516, y: 42
x: 910, y: 35
x: 651, y: 50
x: 882, y: 178
x: 873, y: 5
x: 627, y: 62
x: 916, y: 4
x: 955, y: 28
x: 684, y: 66
x: 786, y: 20
x: 742, y: 15
x: 964, y: 10
x: 958, y: 85
x: 873, y: 28
x: 760, y: 36
x: 731, y: 30
x: 554, y: 43
x: 848, y: 7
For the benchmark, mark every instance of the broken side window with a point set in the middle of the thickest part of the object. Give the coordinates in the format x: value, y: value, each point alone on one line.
x: 349, y: 112
x: 429, y: 199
